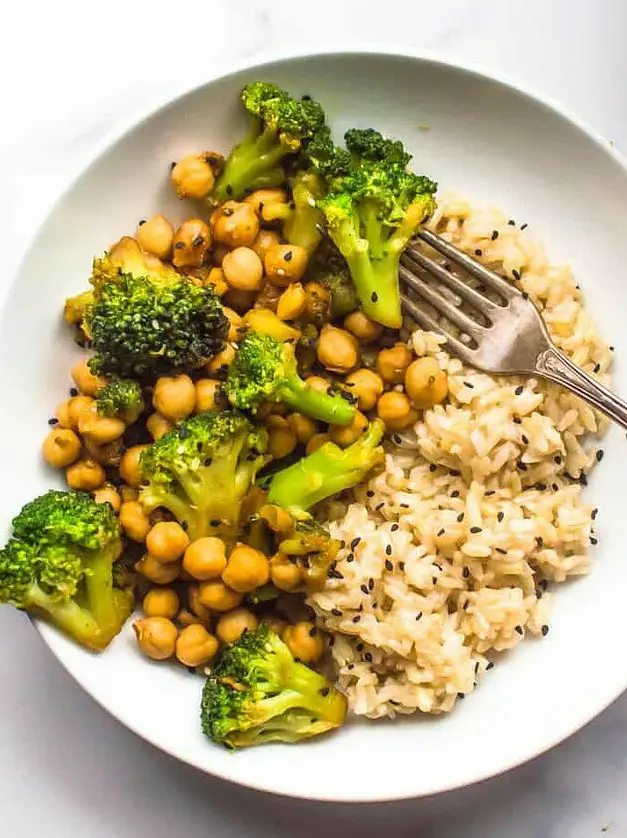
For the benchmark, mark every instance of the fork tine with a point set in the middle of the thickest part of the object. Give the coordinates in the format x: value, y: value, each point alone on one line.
x: 455, y: 315
x: 489, y: 278
x: 426, y: 322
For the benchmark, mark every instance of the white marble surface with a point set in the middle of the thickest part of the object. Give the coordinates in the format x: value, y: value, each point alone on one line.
x: 71, y: 72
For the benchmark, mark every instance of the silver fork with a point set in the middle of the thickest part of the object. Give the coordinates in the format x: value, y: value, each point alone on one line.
x: 513, y: 340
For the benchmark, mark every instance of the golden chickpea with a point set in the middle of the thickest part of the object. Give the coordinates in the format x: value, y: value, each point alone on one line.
x: 215, y: 278
x: 235, y: 224
x: 130, y: 470
x: 281, y: 442
x: 128, y: 493
x: 109, y: 455
x: 61, y: 447
x: 246, y: 569
x: 192, y: 177
x: 69, y: 411
x: 285, y: 263
x: 161, y: 602
x: 158, y: 572
x: 285, y: 575
x: 364, y: 329
x: 134, y: 520
x: 174, y: 397
x: 205, y: 558
x: 207, y: 392
x: 317, y: 303
x: 88, y: 383
x: 198, y: 609
x: 366, y: 386
x: 345, y: 435
x: 220, y: 361
x: 337, y: 349
x: 260, y: 197
x: 108, y: 494
x: 302, y: 426
x: 156, y: 236
x: 158, y: 425
x: 392, y: 363
x: 396, y: 411
x: 99, y: 429
x: 292, y: 302
x: 316, y: 382
x: 426, y: 382
x: 216, y: 596
x: 275, y: 624
x: 191, y: 242
x: 266, y: 239
x: 243, y: 270
x: 186, y: 618
x: 316, y: 441
x: 232, y: 626
x: 304, y: 641
x: 167, y: 541
x: 156, y: 637
x: 85, y: 475
x: 195, y: 646
x: 237, y: 325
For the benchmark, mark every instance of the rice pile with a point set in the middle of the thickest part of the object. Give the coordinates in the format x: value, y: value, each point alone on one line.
x: 449, y: 551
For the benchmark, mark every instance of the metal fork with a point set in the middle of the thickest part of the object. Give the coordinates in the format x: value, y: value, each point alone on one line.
x: 512, y: 340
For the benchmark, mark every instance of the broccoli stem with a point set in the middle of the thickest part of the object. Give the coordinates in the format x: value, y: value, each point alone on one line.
x: 70, y: 618
x: 99, y: 585
x: 303, y: 225
x: 253, y: 164
x: 332, y: 409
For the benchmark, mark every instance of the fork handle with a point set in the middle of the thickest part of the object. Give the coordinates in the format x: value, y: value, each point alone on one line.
x: 555, y: 366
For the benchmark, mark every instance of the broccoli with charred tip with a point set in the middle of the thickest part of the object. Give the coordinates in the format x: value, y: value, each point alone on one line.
x: 266, y: 370
x: 258, y: 693
x: 121, y: 398
x: 281, y: 126
x: 59, y: 565
x: 202, y: 470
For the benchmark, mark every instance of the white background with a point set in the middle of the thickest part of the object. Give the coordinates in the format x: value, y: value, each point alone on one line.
x: 70, y: 73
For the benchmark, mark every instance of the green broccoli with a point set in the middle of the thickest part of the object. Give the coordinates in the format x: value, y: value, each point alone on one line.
x: 329, y: 268
x: 372, y: 209
x: 281, y: 126
x: 147, y: 320
x: 202, y: 470
x: 258, y: 693
x: 265, y: 370
x: 302, y: 220
x: 59, y: 565
x: 121, y: 398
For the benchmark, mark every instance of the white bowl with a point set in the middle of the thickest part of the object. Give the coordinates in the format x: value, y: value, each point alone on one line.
x: 487, y: 140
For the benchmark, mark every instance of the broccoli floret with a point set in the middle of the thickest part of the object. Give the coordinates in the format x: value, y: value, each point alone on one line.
x: 121, y: 398
x: 371, y: 212
x: 202, y: 470
x: 146, y: 320
x: 59, y: 564
x: 265, y: 370
x: 258, y: 693
x: 310, y: 542
x: 281, y: 126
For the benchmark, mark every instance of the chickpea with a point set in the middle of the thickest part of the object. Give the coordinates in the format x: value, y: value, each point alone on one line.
x: 240, y: 301
x: 337, y: 349
x: 366, y: 386
x: 128, y: 493
x: 316, y: 382
x: 129, y: 465
x: 317, y: 303
x: 61, y: 447
x: 292, y: 302
x: 207, y: 393
x: 345, y: 435
x: 158, y: 426
x: 195, y: 646
x: 158, y: 572
x: 156, y: 637
x: 215, y: 279
x: 205, y: 558
x: 161, y: 602
x: 246, y: 569
x: 304, y: 641
x: 222, y: 360
x: 192, y: 177
x: 364, y: 329
x: 230, y: 627
x: 243, y: 269
x: 134, y: 520
x: 69, y: 411
x: 285, y: 575
x: 276, y: 518
x: 316, y: 441
x: 275, y: 624
x: 302, y: 426
x: 174, y: 397
x: 396, y: 411
x: 191, y: 242
x: 198, y: 609
x: 237, y: 325
x: 426, y: 382
x: 108, y: 494
x: 281, y: 442
x: 109, y: 455
x: 85, y: 475
x: 266, y: 239
x: 99, y: 429
x: 262, y: 197
x: 285, y: 263
x: 167, y: 541
x: 216, y: 596
x: 391, y: 364
x: 156, y: 236
x: 235, y: 224
x: 186, y: 618
x: 267, y: 409
x: 88, y: 383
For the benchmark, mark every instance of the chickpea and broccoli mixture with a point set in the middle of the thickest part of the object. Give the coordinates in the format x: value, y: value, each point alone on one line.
x: 239, y: 369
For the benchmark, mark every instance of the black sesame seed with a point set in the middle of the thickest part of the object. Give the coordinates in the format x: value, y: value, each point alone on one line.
x: 388, y: 565
x: 519, y: 629
x: 469, y: 385
x: 432, y: 467
x: 179, y: 245
x: 198, y: 241
x: 394, y: 703
x: 475, y: 530
x: 401, y: 566
x: 441, y: 532
x: 490, y: 665
x: 519, y: 390
x: 597, y: 368
x: 541, y: 487
x: 465, y: 605
x: 461, y: 695
x: 524, y: 295
x: 394, y: 527
x: 355, y: 543
x: 53, y: 420
x: 540, y: 541
x: 336, y: 612
x: 478, y: 252
x: 555, y: 487
x: 364, y: 589
x: 524, y: 439
x: 466, y: 572
x: 335, y: 574
x: 522, y: 466
x: 368, y: 657
x: 229, y: 189
x: 611, y: 348
x: 495, y: 235
x: 379, y: 506
x: 515, y: 274
x: 388, y: 550
x: 455, y: 493
x: 331, y: 642
x: 73, y: 391
x: 214, y: 522
x: 524, y: 226
x: 501, y: 551
x: 544, y: 630
x: 418, y: 616
x: 517, y: 420
x: 557, y: 460
x: 359, y: 647
x: 434, y: 579
x: 593, y: 540
x: 374, y: 297
x: 141, y: 222
x: 404, y: 505
x: 351, y: 666
x: 490, y: 492
x: 350, y: 558
x: 600, y: 454
x: 460, y: 517
x: 313, y: 631
x: 325, y: 691
x: 396, y: 439
x: 369, y: 493
x: 370, y: 584
x: 172, y: 165
x: 453, y: 472
x: 594, y: 513
x: 183, y: 432
x: 583, y: 480
x: 356, y: 618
